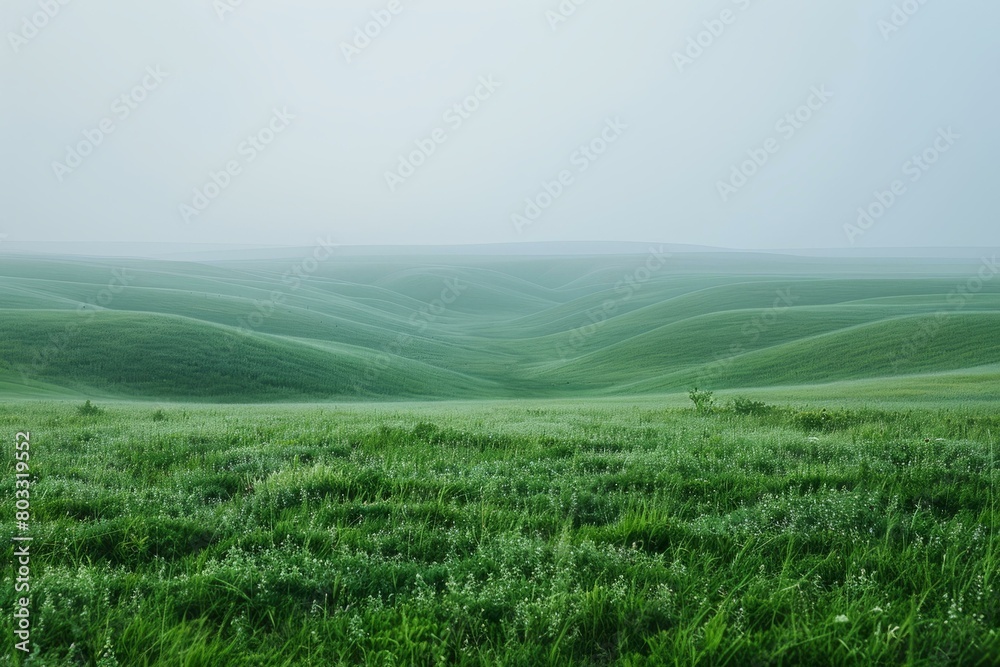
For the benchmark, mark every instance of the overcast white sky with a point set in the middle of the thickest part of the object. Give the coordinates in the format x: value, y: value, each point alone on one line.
x: 325, y: 173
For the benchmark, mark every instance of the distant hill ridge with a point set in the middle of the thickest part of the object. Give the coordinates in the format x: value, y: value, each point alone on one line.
x: 356, y: 327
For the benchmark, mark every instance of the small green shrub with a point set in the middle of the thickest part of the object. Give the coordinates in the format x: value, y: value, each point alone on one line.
x: 703, y: 401
x: 813, y: 421
x: 824, y: 420
x: 88, y: 409
x: 746, y: 406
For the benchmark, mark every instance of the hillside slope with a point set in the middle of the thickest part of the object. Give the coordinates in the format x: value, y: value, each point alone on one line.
x: 481, y: 326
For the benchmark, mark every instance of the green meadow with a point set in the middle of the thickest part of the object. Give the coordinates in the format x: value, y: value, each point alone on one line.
x: 510, y: 533
x: 495, y: 460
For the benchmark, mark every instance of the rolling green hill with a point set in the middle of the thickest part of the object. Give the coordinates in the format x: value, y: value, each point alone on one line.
x: 480, y: 326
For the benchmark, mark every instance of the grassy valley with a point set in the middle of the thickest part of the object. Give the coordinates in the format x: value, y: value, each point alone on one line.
x: 358, y: 328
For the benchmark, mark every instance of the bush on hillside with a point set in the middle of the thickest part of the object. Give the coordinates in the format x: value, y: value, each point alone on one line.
x: 88, y: 409
x: 703, y: 401
x: 746, y: 406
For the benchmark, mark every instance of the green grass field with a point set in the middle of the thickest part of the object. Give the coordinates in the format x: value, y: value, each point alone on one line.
x: 493, y: 460
x: 509, y: 533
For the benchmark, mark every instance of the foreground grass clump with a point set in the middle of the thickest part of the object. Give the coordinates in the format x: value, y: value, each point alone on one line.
x: 508, y: 534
